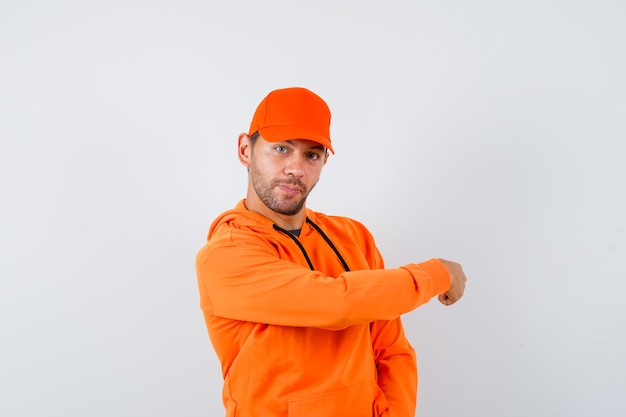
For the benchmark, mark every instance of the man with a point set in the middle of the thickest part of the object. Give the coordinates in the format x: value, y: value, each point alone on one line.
x: 303, y: 316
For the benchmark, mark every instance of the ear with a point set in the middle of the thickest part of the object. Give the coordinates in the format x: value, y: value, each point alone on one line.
x: 244, y: 149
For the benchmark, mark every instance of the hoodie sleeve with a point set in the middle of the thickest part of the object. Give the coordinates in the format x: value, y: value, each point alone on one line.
x: 395, y: 359
x: 240, y: 277
x: 396, y: 366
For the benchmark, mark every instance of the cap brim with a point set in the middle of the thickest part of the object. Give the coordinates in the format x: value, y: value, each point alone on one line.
x: 281, y: 133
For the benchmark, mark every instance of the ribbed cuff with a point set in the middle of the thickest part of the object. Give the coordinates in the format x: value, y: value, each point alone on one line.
x: 439, y: 274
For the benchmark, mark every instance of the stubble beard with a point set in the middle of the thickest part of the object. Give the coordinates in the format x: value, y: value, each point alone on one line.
x: 289, y: 205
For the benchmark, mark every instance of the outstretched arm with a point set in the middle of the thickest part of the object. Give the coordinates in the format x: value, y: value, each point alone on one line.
x: 241, y: 278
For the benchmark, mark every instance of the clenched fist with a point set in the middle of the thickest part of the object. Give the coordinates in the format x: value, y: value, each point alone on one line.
x: 457, y: 283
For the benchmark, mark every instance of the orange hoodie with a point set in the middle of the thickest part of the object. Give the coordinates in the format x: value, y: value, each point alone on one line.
x: 310, y: 325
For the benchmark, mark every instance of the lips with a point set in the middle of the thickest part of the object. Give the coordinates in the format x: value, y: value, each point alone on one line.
x: 290, y: 187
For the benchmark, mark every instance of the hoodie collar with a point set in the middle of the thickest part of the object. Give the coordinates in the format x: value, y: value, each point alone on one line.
x: 240, y: 217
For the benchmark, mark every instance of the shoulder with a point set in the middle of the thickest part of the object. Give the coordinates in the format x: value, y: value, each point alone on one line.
x: 240, y: 230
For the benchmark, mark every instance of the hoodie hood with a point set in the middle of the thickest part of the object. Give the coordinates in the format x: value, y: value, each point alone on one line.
x: 242, y: 218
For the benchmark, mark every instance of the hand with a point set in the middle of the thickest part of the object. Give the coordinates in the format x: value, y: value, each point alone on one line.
x: 457, y: 283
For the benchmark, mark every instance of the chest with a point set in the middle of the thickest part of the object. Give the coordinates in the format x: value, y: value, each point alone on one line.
x: 331, y: 257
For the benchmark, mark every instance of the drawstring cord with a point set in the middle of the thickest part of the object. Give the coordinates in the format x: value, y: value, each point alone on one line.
x: 295, y: 239
x: 332, y: 246
x: 326, y: 238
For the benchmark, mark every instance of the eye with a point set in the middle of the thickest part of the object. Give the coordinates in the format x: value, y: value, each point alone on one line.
x: 280, y: 149
x: 313, y: 156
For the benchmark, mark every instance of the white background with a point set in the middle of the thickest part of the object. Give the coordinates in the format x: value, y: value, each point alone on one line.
x: 487, y: 132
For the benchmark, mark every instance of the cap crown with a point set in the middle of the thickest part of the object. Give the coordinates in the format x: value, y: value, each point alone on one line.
x: 293, y: 113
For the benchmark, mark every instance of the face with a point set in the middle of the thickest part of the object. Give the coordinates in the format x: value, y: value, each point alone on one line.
x: 283, y: 174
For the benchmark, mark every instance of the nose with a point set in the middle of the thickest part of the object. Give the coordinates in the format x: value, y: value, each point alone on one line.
x: 295, y: 165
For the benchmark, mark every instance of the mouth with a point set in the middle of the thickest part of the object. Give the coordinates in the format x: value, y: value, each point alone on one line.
x: 290, y: 189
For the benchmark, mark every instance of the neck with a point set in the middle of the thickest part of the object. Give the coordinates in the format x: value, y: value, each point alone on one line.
x: 289, y: 222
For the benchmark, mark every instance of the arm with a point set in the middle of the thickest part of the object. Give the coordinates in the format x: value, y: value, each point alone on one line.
x: 241, y: 278
x: 395, y: 360
x: 397, y: 367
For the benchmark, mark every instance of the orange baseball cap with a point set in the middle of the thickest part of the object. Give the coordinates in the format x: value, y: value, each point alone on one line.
x: 293, y: 113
